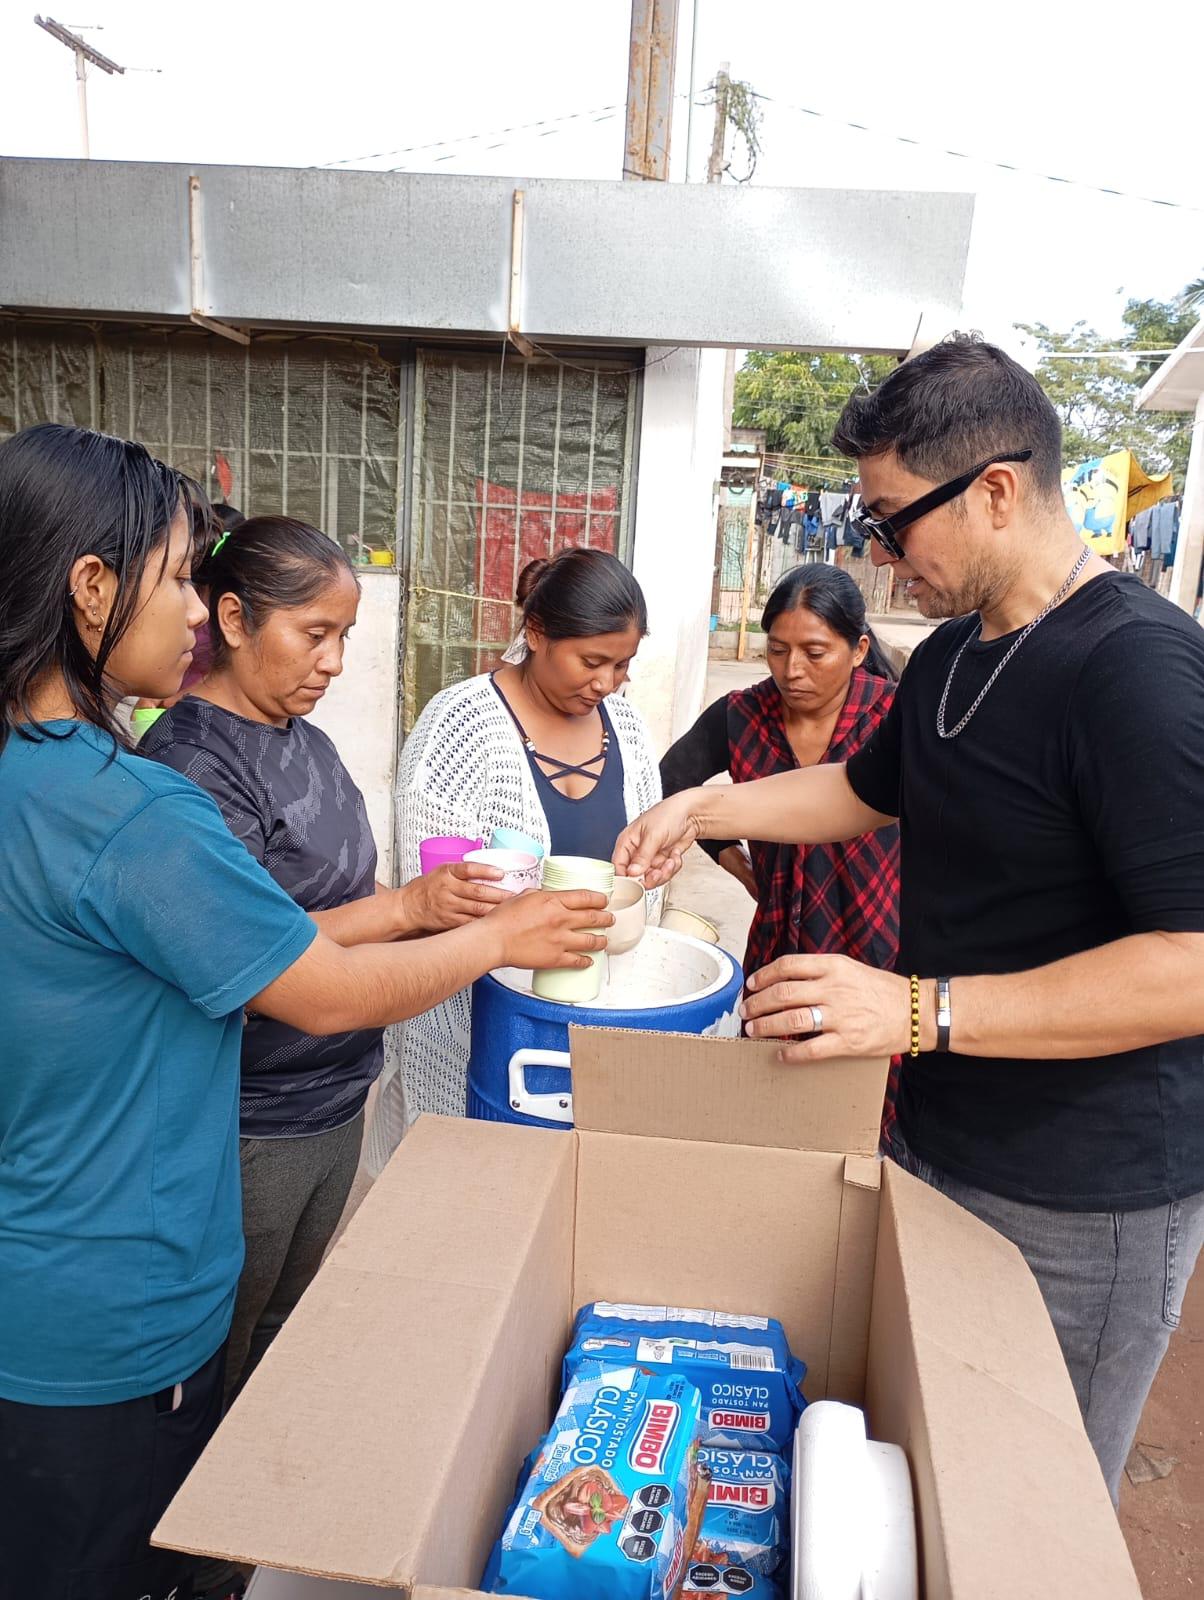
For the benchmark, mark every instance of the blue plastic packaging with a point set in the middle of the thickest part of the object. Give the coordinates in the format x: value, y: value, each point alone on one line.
x: 705, y: 1578
x: 751, y: 1384
x: 605, y: 1512
x: 746, y: 1524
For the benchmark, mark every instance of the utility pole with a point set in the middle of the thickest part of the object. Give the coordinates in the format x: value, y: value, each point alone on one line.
x: 723, y: 89
x: 84, y: 53
x: 715, y: 168
x: 651, y: 64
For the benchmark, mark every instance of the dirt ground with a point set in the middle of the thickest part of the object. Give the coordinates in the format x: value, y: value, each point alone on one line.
x: 1163, y: 1520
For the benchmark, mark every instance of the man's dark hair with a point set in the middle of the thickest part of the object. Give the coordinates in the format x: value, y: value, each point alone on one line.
x: 955, y: 405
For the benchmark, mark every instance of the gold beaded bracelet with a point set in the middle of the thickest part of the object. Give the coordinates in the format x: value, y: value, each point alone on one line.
x: 915, y: 1015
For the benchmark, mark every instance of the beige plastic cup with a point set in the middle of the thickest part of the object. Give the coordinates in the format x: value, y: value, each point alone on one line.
x: 630, y: 911
x: 574, y: 985
x: 679, y: 921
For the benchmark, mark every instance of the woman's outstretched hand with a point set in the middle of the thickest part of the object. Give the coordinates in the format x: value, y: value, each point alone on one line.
x: 651, y: 847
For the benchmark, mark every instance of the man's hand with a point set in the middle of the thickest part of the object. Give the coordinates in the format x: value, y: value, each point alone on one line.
x: 542, y: 930
x: 865, y: 1012
x: 450, y: 896
x: 735, y: 860
x: 651, y: 847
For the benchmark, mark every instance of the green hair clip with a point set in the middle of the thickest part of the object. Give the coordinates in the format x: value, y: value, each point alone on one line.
x: 219, y: 544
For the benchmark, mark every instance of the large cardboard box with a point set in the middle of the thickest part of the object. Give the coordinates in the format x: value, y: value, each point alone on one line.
x: 378, y: 1442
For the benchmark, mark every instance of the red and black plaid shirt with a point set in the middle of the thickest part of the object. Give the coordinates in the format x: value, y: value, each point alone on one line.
x: 824, y: 899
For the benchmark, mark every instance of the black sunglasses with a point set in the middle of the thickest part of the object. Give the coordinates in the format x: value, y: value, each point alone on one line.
x: 885, y: 531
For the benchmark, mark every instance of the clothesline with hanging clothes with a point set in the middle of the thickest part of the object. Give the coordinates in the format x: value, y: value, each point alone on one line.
x: 1156, y: 530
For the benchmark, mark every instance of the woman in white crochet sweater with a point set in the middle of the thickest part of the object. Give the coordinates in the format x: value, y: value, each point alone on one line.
x: 545, y: 746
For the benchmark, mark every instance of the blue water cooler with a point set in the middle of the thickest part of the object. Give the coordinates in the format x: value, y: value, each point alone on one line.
x: 518, y: 1069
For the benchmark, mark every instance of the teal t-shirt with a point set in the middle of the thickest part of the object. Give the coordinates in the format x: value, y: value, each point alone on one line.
x: 133, y: 929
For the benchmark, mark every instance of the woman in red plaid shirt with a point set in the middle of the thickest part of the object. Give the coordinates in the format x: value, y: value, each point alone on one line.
x: 830, y: 686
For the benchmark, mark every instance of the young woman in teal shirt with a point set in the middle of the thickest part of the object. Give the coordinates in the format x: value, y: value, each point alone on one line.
x: 135, y: 929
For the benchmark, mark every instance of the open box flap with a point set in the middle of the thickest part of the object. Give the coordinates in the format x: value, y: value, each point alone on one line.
x: 347, y: 1457
x: 965, y: 1372
x: 722, y: 1091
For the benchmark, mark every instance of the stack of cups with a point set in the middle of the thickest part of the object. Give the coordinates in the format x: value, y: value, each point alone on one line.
x: 574, y: 985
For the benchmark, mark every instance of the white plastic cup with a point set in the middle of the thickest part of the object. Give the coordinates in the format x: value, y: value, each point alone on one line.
x: 521, y: 868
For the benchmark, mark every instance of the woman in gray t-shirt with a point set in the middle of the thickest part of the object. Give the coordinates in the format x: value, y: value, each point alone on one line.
x: 282, y: 600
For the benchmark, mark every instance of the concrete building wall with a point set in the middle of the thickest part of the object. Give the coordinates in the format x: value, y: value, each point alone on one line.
x: 359, y: 712
x: 681, y: 445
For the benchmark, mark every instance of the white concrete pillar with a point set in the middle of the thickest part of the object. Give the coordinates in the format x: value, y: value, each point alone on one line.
x: 1189, y: 552
x: 680, y: 458
x: 359, y: 712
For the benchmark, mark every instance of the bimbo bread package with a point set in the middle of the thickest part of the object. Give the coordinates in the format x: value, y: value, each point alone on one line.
x: 744, y: 1543
x: 612, y: 1505
x: 750, y: 1383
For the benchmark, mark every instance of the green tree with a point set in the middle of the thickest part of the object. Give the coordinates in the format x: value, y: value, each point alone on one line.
x: 796, y: 398
x: 1097, y: 398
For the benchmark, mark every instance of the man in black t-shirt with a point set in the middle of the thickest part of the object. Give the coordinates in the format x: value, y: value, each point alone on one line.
x: 1045, y: 759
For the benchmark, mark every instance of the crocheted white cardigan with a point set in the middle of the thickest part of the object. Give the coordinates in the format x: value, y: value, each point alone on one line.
x: 464, y: 771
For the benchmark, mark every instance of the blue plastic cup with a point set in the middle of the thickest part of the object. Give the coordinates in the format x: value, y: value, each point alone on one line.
x: 512, y: 839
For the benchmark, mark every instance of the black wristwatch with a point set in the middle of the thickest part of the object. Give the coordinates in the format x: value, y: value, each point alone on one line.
x: 944, y: 1014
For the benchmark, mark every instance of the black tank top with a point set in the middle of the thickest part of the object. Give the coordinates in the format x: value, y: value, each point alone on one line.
x: 591, y: 825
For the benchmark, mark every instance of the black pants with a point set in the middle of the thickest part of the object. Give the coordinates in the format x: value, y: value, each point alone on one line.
x: 82, y: 1487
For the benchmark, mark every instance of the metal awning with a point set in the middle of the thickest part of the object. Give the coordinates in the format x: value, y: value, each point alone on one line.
x: 1179, y: 381
x: 608, y: 263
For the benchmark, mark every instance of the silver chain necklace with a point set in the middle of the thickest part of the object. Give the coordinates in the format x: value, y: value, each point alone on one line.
x: 952, y: 733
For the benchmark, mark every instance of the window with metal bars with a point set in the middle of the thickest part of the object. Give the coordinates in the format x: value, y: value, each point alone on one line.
x: 512, y: 460
x: 314, y: 428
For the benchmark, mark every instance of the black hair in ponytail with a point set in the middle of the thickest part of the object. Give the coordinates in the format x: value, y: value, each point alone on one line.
x: 579, y: 594
x: 268, y: 564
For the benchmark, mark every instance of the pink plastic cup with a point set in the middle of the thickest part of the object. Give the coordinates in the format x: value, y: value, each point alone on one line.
x: 441, y: 852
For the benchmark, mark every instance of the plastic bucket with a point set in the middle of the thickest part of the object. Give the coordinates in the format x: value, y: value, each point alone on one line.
x: 518, y: 1069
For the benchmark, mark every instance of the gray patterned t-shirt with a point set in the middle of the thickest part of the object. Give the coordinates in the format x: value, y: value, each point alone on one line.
x: 287, y: 796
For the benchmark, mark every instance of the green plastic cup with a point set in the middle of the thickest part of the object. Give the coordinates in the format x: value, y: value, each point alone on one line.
x: 574, y: 985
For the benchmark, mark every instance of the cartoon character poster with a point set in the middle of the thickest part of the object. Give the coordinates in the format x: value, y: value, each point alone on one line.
x: 1097, y: 498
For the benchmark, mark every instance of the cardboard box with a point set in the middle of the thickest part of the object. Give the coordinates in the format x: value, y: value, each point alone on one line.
x: 379, y: 1441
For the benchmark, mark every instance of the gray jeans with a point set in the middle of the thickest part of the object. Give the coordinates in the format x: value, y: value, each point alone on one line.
x: 293, y: 1194
x: 1113, y: 1284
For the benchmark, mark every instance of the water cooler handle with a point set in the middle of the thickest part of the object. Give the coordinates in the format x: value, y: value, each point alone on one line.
x: 551, y: 1107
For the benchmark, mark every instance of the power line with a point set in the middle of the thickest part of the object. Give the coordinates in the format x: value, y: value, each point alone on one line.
x: 597, y: 113
x: 986, y: 161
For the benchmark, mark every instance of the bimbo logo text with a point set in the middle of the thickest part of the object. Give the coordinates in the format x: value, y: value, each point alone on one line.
x: 753, y: 1496
x: 651, y: 1442
x: 745, y: 1421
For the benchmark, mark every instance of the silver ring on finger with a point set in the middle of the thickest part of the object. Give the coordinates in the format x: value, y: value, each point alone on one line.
x: 817, y: 1018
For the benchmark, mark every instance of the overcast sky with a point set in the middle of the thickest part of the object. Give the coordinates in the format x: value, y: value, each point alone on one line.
x: 1108, y: 95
